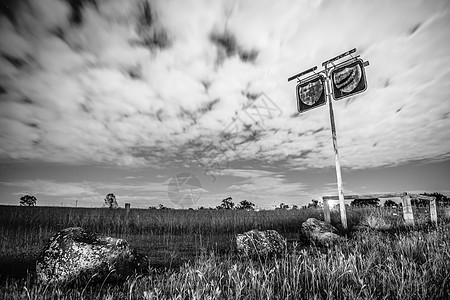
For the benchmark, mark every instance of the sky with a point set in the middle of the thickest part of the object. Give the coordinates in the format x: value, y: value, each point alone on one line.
x: 186, y: 102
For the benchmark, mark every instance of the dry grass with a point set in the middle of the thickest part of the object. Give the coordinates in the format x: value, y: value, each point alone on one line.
x: 411, y: 265
x: 396, y: 264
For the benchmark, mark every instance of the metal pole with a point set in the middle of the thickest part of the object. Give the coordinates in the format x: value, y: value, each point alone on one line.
x: 336, y: 154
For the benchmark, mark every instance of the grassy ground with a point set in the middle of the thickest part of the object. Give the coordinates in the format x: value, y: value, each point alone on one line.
x: 395, y: 264
x: 168, y: 237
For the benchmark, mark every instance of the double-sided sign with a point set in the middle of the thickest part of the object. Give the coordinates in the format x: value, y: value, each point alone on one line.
x: 347, y: 79
x: 311, y: 93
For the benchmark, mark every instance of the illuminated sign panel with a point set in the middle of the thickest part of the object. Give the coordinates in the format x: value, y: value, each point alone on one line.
x: 311, y: 93
x: 348, y: 80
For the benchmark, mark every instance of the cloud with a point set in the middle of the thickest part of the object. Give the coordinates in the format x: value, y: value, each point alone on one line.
x: 141, y: 194
x: 227, y: 46
x: 266, y: 188
x: 52, y: 188
x: 144, y: 84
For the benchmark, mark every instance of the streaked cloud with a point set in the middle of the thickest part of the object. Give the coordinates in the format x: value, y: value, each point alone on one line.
x: 52, y: 188
x: 143, y: 194
x: 267, y: 188
x: 141, y: 84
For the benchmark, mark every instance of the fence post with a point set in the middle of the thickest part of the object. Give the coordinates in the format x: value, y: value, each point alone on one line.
x: 326, y: 211
x: 407, y: 209
x: 127, y: 210
x: 433, y: 212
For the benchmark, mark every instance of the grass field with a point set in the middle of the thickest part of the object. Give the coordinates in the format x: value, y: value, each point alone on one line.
x: 192, y: 256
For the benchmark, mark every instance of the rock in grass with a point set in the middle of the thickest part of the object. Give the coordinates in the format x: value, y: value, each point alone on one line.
x: 320, y: 232
x: 74, y: 253
x: 260, y: 243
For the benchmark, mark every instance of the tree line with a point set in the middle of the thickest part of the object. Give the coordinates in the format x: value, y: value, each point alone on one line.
x: 110, y: 201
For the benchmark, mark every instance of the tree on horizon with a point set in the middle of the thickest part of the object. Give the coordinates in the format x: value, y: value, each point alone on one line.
x: 441, y: 199
x: 375, y: 202
x: 314, y: 204
x: 227, y: 203
x: 111, y: 201
x: 245, y: 204
x: 390, y: 203
x: 28, y: 200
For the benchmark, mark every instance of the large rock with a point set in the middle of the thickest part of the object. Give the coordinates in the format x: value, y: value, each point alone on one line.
x: 260, y: 243
x: 320, y: 232
x: 74, y: 253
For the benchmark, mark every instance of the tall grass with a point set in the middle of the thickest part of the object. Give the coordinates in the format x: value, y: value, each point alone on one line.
x: 369, y: 265
x: 142, y: 221
x: 168, y: 237
x: 412, y: 263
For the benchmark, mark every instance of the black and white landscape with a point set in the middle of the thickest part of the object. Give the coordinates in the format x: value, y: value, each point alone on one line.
x: 182, y: 110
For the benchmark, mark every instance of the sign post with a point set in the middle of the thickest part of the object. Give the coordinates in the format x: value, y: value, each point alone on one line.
x: 336, y: 159
x: 335, y: 81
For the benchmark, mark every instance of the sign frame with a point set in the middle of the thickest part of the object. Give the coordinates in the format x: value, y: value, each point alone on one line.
x: 343, y: 95
x: 302, y: 83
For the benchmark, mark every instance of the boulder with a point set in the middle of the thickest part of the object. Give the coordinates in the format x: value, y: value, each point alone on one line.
x: 74, y: 253
x: 260, y: 243
x: 320, y: 232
